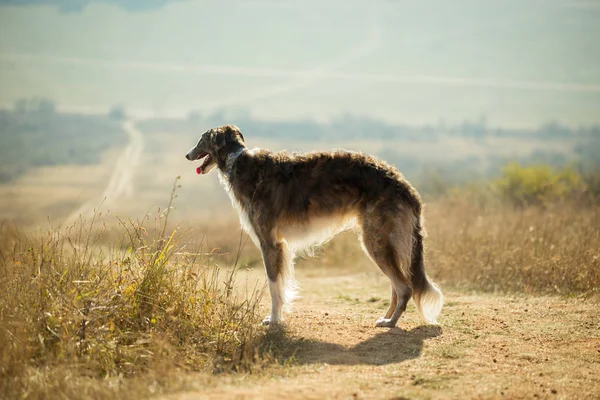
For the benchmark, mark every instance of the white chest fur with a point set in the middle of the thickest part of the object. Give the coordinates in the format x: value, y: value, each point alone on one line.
x: 244, y: 218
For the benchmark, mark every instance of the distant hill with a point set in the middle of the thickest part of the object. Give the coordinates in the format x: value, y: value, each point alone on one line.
x: 518, y: 63
x: 35, y: 135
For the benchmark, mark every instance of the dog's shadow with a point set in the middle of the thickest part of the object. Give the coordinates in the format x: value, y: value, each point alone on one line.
x: 392, y: 346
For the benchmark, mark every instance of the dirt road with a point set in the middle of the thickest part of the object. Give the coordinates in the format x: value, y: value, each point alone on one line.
x: 120, y: 183
x: 487, y: 346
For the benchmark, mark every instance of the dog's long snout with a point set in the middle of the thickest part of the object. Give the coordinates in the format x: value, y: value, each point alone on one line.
x: 192, y: 154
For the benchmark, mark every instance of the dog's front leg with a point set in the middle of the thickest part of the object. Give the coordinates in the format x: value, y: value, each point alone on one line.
x: 275, y: 255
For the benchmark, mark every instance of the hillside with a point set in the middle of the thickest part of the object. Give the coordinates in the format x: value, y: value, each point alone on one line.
x: 519, y: 63
x: 34, y: 135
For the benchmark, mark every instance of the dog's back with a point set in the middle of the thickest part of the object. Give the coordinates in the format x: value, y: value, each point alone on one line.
x: 304, y: 185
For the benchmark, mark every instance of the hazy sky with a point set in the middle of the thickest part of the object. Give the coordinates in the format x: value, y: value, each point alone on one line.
x: 515, y: 62
x: 72, y: 6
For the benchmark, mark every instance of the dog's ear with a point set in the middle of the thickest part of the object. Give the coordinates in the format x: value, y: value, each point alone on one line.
x: 233, y: 132
x: 220, y: 140
x: 236, y: 131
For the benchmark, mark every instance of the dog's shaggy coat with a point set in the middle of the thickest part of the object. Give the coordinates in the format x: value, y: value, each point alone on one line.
x: 289, y: 202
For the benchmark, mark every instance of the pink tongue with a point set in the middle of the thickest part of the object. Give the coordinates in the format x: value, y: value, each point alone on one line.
x: 199, y: 170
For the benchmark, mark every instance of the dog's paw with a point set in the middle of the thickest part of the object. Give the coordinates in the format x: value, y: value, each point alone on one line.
x: 270, y: 321
x: 385, y: 323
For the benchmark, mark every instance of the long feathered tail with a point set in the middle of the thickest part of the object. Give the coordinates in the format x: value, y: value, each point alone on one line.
x: 427, y: 295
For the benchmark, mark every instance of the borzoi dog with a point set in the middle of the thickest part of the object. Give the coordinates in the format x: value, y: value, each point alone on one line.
x: 289, y: 202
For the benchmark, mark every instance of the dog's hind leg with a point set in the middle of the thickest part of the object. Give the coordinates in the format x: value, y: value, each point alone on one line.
x: 278, y: 264
x: 393, y: 302
x: 378, y: 241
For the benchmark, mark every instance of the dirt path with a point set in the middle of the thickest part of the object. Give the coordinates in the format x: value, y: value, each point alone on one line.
x: 120, y: 183
x: 486, y: 347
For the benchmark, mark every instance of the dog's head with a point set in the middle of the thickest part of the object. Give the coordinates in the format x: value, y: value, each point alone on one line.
x: 214, y: 146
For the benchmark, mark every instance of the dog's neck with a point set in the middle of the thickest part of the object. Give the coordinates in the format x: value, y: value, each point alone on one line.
x: 231, y: 158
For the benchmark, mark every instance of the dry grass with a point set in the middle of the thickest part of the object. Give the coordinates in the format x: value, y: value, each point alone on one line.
x: 488, y: 246
x: 550, y: 250
x: 81, y: 319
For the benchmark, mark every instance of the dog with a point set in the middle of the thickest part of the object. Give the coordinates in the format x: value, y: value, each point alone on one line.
x: 290, y: 202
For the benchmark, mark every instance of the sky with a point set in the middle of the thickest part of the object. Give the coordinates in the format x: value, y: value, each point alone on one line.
x: 74, y: 6
x: 514, y: 63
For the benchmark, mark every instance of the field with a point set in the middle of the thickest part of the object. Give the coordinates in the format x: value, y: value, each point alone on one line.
x: 119, y: 280
x: 520, y: 318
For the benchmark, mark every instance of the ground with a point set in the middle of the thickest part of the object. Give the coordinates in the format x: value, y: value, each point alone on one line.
x: 486, y: 346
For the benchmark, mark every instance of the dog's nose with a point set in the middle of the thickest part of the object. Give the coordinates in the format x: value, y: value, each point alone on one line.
x: 188, y: 156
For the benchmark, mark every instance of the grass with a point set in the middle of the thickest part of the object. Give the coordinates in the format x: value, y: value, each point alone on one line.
x: 535, y: 250
x: 133, y: 312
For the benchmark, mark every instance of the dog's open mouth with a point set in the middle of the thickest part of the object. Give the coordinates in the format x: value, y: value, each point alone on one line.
x: 205, y: 157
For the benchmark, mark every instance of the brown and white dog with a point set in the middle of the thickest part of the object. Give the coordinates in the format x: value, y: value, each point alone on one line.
x: 290, y: 202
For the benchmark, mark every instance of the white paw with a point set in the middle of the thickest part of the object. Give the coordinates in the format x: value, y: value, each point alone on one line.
x: 385, y: 323
x: 270, y: 321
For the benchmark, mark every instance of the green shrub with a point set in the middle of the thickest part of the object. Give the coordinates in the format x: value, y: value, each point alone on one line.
x: 538, y: 184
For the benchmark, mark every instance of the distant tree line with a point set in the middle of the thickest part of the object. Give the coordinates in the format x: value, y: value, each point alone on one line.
x: 34, y: 134
x: 355, y: 127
